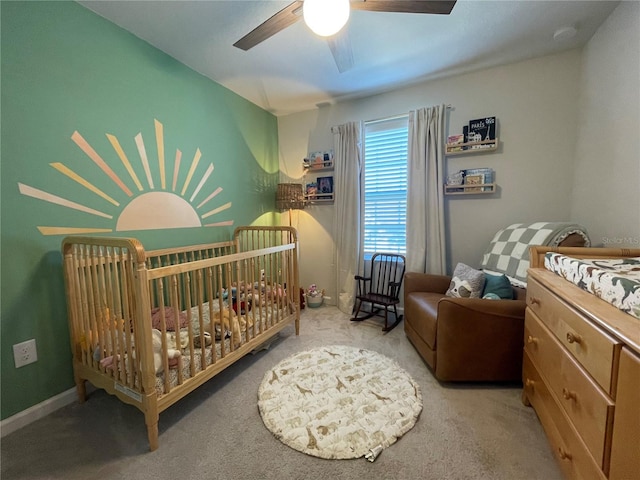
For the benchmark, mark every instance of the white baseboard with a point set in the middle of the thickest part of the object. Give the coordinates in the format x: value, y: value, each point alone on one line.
x: 42, y: 409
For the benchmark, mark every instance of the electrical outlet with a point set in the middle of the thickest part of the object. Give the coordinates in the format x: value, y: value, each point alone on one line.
x: 25, y: 353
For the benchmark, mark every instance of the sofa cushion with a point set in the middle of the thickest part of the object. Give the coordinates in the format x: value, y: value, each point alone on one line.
x: 498, y: 285
x: 421, y: 312
x: 466, y: 282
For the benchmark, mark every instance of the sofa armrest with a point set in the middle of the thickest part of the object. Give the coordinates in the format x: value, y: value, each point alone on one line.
x: 479, y: 340
x: 471, y: 306
x: 425, y: 282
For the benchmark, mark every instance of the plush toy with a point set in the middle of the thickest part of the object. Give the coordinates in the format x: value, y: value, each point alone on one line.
x: 216, y: 326
x: 111, y: 362
x: 172, y: 354
x: 276, y: 291
x: 197, y: 342
x: 460, y: 288
x: 230, y: 322
x: 491, y: 296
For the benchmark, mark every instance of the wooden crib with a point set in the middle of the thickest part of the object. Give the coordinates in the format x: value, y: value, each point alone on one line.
x: 151, y: 326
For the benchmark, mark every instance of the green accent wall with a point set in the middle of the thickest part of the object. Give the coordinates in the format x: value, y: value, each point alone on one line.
x: 65, y: 69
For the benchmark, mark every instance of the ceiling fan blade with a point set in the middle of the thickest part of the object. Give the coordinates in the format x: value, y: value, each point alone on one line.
x: 442, y: 7
x: 340, y: 46
x: 281, y: 20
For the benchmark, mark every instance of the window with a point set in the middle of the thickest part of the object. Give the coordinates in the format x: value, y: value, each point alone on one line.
x: 385, y: 186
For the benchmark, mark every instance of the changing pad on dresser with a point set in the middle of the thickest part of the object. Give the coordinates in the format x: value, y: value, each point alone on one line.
x: 615, y: 280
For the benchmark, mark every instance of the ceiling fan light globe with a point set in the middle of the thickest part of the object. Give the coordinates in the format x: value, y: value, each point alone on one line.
x: 325, y: 17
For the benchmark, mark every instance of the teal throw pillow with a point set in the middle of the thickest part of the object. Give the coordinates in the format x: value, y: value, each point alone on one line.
x: 498, y: 285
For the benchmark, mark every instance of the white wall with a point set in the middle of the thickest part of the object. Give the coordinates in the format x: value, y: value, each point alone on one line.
x: 607, y: 176
x: 535, y: 102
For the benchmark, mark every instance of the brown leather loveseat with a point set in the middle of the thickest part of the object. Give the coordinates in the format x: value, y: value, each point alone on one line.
x: 475, y: 339
x: 464, y: 339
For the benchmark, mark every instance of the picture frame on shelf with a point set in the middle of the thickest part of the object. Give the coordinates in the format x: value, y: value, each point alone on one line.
x: 311, y: 189
x: 325, y: 185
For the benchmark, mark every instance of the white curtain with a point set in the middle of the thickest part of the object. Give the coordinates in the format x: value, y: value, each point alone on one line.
x: 346, y: 225
x: 425, y: 197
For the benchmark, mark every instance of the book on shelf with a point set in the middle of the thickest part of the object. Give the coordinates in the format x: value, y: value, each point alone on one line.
x: 325, y: 185
x: 455, y: 179
x: 486, y: 175
x: 311, y: 189
x: 482, y: 129
x: 319, y: 160
x: 452, y: 141
x: 473, y: 180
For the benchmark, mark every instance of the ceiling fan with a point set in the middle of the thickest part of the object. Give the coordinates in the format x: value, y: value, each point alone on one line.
x: 339, y: 42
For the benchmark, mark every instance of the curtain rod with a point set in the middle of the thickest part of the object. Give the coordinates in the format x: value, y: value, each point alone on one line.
x: 384, y: 119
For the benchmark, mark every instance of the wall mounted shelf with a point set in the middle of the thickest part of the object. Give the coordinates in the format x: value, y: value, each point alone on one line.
x: 471, y: 147
x: 321, y: 189
x: 319, y: 198
x: 314, y: 167
x: 481, y: 189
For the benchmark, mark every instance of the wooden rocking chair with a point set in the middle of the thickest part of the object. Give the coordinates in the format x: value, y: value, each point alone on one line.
x: 381, y: 288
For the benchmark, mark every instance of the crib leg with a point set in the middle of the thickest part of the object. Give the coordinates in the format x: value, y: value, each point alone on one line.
x: 152, y: 430
x: 81, y: 389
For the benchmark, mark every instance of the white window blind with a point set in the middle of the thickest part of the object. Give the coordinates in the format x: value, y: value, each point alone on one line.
x: 385, y: 186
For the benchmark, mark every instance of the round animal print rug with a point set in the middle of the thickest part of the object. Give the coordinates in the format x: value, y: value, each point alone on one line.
x: 338, y: 402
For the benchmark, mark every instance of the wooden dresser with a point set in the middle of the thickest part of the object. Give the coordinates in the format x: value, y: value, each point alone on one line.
x: 581, y: 372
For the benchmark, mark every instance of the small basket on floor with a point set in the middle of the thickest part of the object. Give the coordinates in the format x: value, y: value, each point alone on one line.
x: 315, y: 302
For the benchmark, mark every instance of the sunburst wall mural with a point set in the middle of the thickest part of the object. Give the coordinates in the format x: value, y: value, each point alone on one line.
x: 180, y: 200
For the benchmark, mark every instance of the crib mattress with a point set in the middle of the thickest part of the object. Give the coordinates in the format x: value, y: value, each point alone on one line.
x: 269, y: 318
x: 616, y: 281
x: 203, y: 357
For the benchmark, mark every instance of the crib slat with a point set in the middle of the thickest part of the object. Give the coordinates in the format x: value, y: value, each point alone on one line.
x: 188, y: 303
x: 127, y: 314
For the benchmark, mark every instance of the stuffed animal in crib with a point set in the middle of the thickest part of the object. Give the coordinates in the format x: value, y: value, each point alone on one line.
x: 224, y: 320
x: 172, y: 354
x: 275, y: 291
x: 229, y: 321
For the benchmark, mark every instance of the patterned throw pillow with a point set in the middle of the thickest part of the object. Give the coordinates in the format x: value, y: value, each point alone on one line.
x: 466, y: 282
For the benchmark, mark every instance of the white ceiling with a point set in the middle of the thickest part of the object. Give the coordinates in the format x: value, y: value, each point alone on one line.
x: 295, y: 71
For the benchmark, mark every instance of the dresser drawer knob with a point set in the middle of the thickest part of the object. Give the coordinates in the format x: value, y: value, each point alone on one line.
x: 532, y: 339
x: 535, y: 301
x: 564, y: 455
x: 528, y: 383
x: 569, y: 395
x: 574, y: 338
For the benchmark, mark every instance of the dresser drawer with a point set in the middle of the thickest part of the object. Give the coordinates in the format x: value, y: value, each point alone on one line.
x: 571, y: 453
x: 625, y: 446
x: 594, y: 349
x: 583, y: 401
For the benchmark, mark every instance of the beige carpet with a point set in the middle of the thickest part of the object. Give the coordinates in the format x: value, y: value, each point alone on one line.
x: 465, y: 431
x: 338, y: 402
